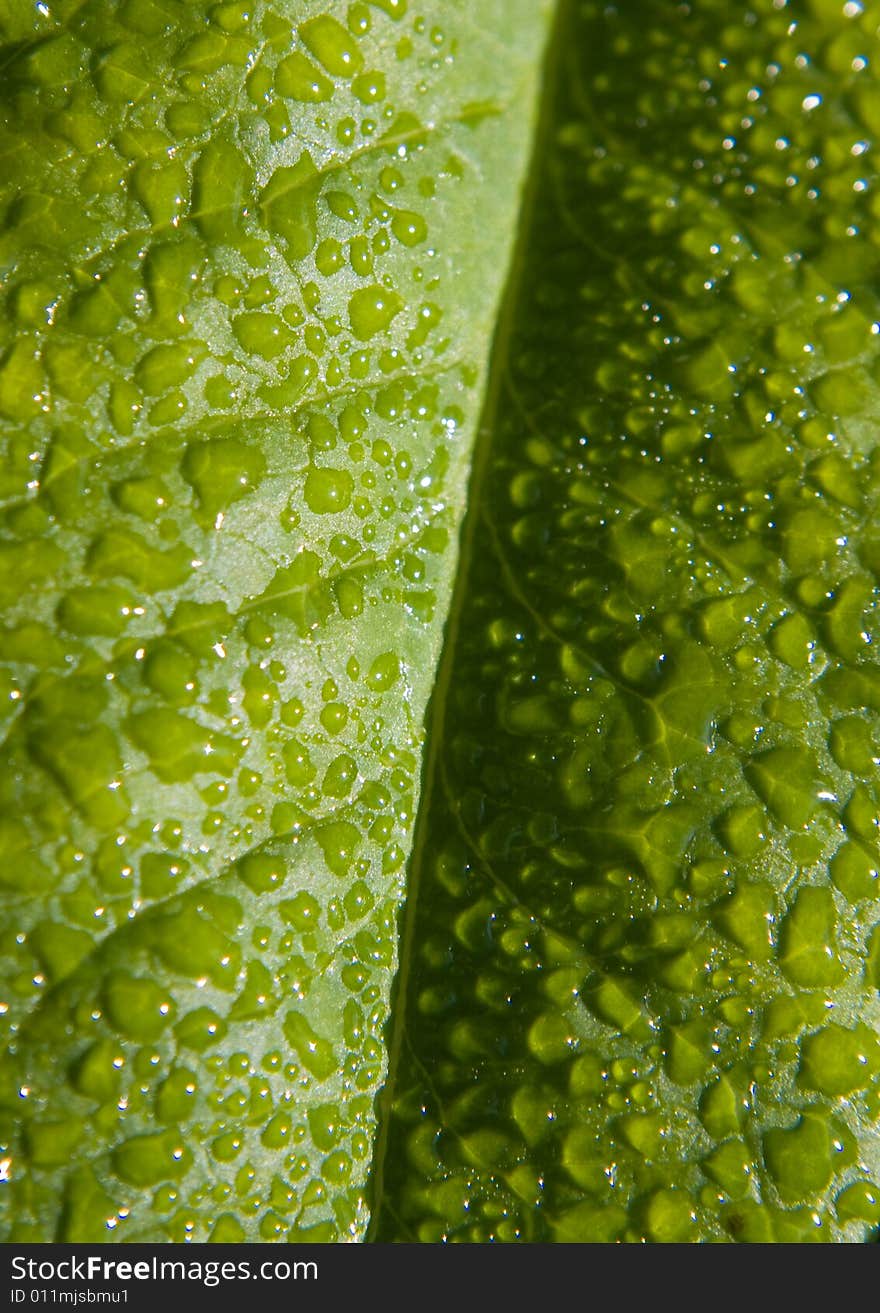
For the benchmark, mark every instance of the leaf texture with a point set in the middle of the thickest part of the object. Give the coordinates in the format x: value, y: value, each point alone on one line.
x: 638, y: 994
x: 251, y: 255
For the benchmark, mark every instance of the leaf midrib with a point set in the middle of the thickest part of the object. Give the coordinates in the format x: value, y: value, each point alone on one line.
x: 435, y: 720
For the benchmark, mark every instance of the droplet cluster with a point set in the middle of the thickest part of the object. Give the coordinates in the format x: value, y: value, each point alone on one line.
x: 242, y: 335
x: 642, y: 981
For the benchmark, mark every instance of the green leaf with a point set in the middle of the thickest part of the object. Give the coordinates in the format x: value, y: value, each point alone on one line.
x: 240, y: 380
x: 638, y: 991
x: 251, y: 258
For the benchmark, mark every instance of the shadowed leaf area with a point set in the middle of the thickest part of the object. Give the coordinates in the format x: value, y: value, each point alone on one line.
x: 638, y: 995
